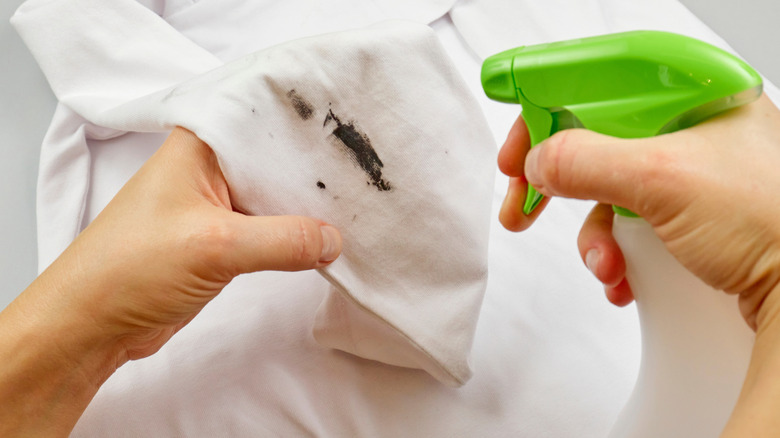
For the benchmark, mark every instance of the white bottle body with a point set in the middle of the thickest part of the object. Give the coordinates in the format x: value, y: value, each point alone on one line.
x: 695, y: 344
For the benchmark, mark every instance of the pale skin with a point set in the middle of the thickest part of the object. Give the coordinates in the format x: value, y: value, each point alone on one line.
x: 155, y: 256
x: 711, y: 193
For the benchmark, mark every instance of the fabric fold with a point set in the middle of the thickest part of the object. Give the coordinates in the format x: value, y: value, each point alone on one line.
x: 95, y: 56
x: 331, y: 127
x: 344, y: 127
x: 130, y: 51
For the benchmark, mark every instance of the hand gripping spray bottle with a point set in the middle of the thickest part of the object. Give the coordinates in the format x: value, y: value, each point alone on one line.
x: 695, y: 344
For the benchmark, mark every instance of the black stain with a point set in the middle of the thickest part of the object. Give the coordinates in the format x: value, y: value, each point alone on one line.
x: 253, y: 110
x: 359, y: 148
x: 302, y: 107
x: 321, y: 185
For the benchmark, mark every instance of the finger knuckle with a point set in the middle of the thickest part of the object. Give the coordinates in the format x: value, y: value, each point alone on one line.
x: 305, y: 241
x: 209, y: 240
x: 556, y: 154
x: 667, y: 167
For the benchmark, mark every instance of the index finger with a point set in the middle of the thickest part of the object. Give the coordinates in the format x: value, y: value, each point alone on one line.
x: 511, y: 161
x: 511, y: 157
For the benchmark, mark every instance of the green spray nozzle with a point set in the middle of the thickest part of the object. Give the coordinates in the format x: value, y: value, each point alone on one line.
x: 629, y: 85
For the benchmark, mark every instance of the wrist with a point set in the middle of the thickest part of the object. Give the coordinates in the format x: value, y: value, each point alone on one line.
x: 755, y: 412
x: 55, y: 360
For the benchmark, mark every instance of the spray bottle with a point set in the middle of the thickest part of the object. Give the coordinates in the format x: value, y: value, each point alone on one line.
x: 695, y: 344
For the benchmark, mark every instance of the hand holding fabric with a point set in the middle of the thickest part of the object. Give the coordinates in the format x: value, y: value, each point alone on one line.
x: 160, y: 251
x: 347, y: 127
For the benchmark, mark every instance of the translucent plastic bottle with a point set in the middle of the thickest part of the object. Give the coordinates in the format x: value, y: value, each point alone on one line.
x: 695, y: 344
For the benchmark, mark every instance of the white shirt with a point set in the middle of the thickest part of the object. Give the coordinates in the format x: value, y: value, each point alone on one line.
x: 550, y: 356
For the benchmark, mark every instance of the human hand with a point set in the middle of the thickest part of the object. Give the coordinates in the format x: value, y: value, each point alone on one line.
x: 710, y: 192
x: 170, y: 241
x: 152, y: 259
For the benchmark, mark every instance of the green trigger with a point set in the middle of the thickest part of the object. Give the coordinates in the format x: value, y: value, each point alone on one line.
x: 627, y: 85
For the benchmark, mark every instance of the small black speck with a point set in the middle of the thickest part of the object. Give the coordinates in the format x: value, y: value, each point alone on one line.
x: 302, y: 107
x: 321, y: 185
x: 253, y: 110
x: 354, y: 217
x: 270, y: 135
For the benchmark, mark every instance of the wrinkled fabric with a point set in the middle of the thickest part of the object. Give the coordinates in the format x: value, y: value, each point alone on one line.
x: 341, y: 127
x: 550, y: 357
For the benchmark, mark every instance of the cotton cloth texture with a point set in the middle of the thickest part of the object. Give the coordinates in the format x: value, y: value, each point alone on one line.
x: 342, y: 127
x: 550, y: 357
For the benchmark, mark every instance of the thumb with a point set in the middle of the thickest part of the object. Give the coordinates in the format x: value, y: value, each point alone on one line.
x: 281, y: 243
x: 582, y: 164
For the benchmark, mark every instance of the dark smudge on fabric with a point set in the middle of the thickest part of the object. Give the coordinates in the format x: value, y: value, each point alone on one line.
x: 358, y: 146
x: 302, y: 107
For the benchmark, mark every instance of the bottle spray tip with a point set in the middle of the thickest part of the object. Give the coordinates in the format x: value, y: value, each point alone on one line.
x: 497, y: 79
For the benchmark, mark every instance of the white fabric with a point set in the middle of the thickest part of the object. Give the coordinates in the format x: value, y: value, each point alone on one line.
x: 550, y: 357
x: 407, y: 193
x: 286, y: 20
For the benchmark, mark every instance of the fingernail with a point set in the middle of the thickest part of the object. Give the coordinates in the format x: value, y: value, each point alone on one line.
x: 331, y: 244
x: 592, y: 260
